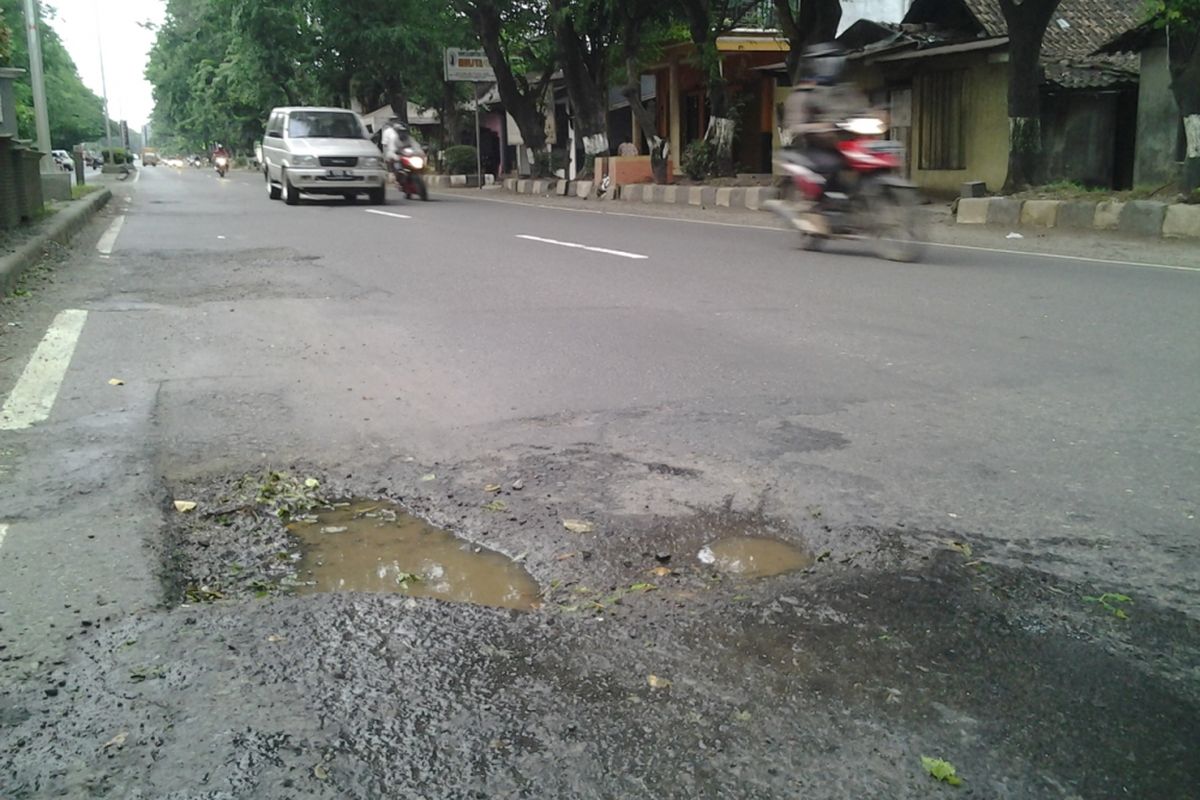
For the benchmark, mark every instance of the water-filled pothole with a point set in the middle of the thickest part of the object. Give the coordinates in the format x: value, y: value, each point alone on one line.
x: 373, y: 546
x: 754, y: 556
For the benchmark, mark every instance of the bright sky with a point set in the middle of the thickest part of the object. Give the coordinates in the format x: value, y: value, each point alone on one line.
x: 126, y: 46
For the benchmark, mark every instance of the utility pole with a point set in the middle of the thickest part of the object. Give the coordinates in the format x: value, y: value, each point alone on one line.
x: 38, y: 79
x: 103, y: 84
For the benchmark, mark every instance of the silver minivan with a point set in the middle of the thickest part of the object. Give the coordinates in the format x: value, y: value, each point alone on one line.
x: 314, y: 150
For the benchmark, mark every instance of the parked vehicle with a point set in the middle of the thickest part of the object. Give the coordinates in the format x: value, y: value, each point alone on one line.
x: 314, y: 150
x: 870, y: 200
x: 149, y: 157
x: 62, y: 159
x: 409, y: 169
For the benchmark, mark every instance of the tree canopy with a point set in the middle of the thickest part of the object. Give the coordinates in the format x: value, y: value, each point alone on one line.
x: 76, y: 113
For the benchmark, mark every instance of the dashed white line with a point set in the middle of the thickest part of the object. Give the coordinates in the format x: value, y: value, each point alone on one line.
x: 386, y: 213
x: 606, y: 251
x: 33, y: 397
x: 109, y: 239
x: 3, y: 533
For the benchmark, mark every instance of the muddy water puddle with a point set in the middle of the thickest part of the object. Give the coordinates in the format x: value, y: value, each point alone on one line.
x: 754, y: 556
x: 371, y: 546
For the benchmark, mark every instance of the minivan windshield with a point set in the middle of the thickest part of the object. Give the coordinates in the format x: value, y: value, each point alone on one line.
x: 324, y: 125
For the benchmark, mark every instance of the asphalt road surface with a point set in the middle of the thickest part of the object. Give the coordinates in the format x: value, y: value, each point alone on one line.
x: 989, y: 459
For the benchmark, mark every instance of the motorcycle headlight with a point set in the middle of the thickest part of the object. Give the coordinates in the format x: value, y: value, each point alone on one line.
x: 222, y: 161
x: 371, y: 162
x: 417, y: 162
x: 304, y: 161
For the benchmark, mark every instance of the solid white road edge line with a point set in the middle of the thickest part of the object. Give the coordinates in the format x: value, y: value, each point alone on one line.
x: 386, y: 213
x: 109, y: 240
x: 604, y: 250
x: 33, y: 397
x: 1061, y: 257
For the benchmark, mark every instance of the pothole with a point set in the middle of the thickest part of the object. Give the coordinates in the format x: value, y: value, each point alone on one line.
x: 373, y: 546
x: 754, y: 556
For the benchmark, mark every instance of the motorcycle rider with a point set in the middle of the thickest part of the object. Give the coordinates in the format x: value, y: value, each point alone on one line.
x: 393, y: 139
x: 819, y: 101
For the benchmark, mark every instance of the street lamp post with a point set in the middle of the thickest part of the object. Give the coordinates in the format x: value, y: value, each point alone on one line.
x: 38, y: 79
x: 103, y: 84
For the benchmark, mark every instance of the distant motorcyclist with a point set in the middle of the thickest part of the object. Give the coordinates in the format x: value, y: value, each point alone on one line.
x: 394, y: 139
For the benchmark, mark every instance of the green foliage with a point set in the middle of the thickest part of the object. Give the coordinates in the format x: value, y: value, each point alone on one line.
x: 1111, y: 602
x: 118, y: 155
x: 286, y: 496
x: 459, y: 160
x: 699, y: 160
x: 1183, y: 14
x: 548, y: 162
x: 75, y: 112
x: 942, y: 770
x: 5, y: 41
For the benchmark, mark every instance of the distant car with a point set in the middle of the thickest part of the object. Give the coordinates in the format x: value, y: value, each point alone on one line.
x: 149, y: 157
x: 63, y: 159
x: 318, y: 150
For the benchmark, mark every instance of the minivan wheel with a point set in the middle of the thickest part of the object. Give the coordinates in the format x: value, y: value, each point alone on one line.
x: 290, y: 195
x: 272, y: 189
x: 378, y: 196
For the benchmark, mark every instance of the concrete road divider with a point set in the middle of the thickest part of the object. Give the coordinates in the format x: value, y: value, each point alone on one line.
x: 1142, y: 218
x: 59, y: 228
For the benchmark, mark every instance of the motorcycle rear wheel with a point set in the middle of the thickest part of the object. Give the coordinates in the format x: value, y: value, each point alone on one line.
x: 896, y: 232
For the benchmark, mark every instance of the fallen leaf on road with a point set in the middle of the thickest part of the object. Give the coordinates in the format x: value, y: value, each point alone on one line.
x: 578, y: 525
x: 184, y: 506
x: 334, y: 529
x: 116, y: 741
x: 320, y: 773
x: 492, y: 488
x: 658, y: 683
x: 661, y: 572
x: 942, y: 770
x: 497, y: 505
x: 961, y: 547
x: 642, y: 587
x: 274, y: 638
x: 115, y: 382
x: 429, y: 477
x: 565, y: 556
x: 312, y: 483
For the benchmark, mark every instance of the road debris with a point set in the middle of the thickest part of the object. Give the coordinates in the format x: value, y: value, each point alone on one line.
x: 578, y: 525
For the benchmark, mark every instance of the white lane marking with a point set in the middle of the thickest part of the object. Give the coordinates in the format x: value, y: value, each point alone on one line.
x: 1108, y: 261
x: 109, y: 239
x: 3, y: 533
x: 573, y: 245
x: 33, y: 397
x: 386, y: 213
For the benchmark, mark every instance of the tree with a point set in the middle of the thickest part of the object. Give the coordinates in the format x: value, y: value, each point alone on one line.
x: 75, y: 112
x: 511, y: 32
x: 641, y: 25
x: 1027, y: 21
x: 584, y: 30
x: 707, y: 21
x: 1181, y: 21
x: 5, y: 41
x: 813, y: 22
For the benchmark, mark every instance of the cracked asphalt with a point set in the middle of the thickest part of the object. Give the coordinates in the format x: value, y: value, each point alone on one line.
x: 970, y: 448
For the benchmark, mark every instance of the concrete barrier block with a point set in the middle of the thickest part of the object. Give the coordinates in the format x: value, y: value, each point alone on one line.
x: 458, y: 180
x: 1108, y: 215
x: 1142, y: 218
x: 539, y: 187
x: 583, y: 189
x: 1077, y: 214
x: 973, y: 211
x: 695, y: 195
x: 1182, y: 221
x: 758, y: 195
x: 635, y: 192
x: 737, y: 198
x: 671, y: 194
x: 1040, y: 213
x: 723, y: 197
x: 510, y: 184
x: 708, y: 196
x: 1004, y: 211
x: 562, y: 188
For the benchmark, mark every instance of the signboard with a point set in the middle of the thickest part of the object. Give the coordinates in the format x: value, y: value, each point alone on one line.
x: 468, y: 65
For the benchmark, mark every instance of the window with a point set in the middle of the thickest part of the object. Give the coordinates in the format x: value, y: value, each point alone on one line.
x: 940, y: 124
x: 324, y: 125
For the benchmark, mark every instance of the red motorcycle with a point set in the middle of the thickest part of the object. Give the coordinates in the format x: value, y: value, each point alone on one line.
x: 408, y: 169
x: 871, y: 199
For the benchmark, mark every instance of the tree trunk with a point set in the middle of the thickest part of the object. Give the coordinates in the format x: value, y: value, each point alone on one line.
x: 815, y: 21
x: 583, y: 72
x: 398, y: 100
x: 1184, y: 50
x: 660, y: 148
x: 1027, y: 23
x: 523, y: 107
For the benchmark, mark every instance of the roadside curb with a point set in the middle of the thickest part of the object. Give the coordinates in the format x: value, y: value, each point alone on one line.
x: 746, y: 198
x: 1139, y: 218
x: 458, y: 181
x: 60, y: 228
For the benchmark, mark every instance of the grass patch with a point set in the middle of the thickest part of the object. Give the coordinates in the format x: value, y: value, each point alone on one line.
x: 78, y: 192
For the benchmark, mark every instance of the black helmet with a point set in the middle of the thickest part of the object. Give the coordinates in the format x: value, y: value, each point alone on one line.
x: 398, y: 125
x: 823, y: 63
